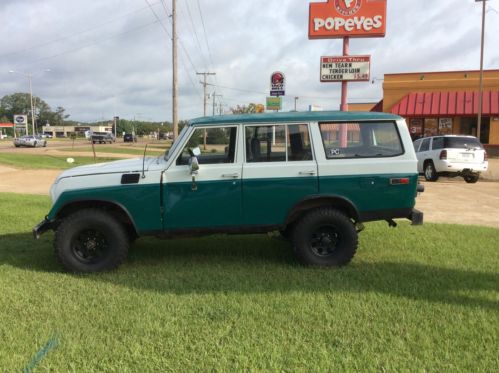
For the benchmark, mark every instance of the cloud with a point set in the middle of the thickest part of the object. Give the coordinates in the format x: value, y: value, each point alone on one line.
x: 114, y: 56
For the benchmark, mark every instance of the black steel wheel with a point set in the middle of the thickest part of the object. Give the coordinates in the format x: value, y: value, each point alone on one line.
x: 90, y: 240
x: 325, y: 237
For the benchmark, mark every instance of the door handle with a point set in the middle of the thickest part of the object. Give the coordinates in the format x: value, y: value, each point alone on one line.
x: 310, y: 173
x: 235, y: 175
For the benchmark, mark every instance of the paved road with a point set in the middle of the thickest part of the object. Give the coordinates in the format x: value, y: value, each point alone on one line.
x: 454, y: 201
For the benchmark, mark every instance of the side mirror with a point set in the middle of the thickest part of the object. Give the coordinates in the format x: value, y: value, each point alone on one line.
x: 194, y: 166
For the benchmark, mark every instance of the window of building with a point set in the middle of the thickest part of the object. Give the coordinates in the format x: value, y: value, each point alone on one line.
x: 361, y: 140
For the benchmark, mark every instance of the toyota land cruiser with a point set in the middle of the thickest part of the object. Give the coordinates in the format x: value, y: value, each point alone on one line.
x: 316, y: 177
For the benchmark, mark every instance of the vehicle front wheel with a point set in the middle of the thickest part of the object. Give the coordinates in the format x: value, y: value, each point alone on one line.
x: 325, y: 237
x: 430, y: 173
x: 471, y: 179
x: 90, y: 240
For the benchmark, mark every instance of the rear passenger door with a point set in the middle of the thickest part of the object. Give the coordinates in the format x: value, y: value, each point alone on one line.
x: 279, y: 170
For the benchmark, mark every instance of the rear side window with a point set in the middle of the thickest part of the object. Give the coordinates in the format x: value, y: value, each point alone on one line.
x: 425, y: 145
x: 462, y: 142
x: 438, y: 143
x: 361, y: 140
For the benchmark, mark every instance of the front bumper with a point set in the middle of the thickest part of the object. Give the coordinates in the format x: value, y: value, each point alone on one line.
x: 42, y: 227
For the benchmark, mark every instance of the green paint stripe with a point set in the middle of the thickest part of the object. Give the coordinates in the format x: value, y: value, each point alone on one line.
x: 52, y: 343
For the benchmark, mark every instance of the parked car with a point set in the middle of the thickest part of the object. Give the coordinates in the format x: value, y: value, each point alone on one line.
x: 451, y: 155
x: 129, y: 138
x: 316, y: 177
x: 30, y: 141
x: 102, y: 137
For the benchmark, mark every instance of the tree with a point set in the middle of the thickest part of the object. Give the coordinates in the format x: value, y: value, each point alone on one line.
x: 243, y: 109
x: 20, y: 103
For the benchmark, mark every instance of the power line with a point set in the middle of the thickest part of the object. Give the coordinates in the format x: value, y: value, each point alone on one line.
x: 112, y: 20
x: 101, y: 40
x: 205, y: 35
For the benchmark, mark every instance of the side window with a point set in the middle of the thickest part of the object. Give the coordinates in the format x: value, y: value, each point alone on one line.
x: 265, y: 143
x: 416, y: 145
x: 278, y: 143
x: 220, y: 146
x: 299, y: 147
x: 425, y: 145
x: 438, y: 143
x: 361, y: 140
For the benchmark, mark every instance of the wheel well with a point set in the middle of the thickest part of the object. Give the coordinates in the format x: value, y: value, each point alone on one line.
x: 118, y: 212
x: 338, y: 203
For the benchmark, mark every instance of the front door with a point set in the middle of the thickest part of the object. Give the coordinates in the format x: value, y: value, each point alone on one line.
x: 214, y: 199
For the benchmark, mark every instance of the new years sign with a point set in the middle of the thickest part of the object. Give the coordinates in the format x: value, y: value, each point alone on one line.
x: 345, y: 68
x: 340, y: 18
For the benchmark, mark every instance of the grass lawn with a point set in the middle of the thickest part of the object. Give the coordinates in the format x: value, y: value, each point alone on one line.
x: 413, y: 299
x: 31, y: 161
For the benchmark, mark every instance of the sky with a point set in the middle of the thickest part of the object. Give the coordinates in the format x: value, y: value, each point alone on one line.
x: 114, y: 57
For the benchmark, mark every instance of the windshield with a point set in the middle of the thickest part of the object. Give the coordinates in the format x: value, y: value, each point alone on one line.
x: 462, y: 142
x: 176, y: 142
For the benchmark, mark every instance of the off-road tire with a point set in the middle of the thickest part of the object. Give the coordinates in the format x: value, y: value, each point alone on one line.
x: 103, y: 235
x: 430, y: 172
x: 325, y: 227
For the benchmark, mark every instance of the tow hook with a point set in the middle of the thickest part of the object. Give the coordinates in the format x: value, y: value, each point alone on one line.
x: 391, y: 223
x: 359, y: 227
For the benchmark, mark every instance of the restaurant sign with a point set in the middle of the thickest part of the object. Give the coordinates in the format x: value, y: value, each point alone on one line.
x: 340, y: 18
x: 345, y: 68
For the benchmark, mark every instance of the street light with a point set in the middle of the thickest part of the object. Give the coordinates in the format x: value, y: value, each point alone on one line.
x: 30, y: 77
x: 480, y: 93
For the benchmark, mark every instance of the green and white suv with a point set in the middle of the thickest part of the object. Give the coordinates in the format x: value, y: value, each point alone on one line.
x: 314, y: 176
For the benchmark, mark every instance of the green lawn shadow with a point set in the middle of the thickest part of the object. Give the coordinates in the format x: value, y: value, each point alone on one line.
x: 259, y: 264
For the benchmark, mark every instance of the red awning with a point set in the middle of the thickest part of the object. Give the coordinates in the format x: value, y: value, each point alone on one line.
x: 6, y: 125
x: 426, y: 104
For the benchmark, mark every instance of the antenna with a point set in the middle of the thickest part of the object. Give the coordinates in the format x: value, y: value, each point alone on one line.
x: 144, y: 162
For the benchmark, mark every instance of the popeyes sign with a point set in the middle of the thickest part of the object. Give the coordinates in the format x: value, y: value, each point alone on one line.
x: 340, y: 18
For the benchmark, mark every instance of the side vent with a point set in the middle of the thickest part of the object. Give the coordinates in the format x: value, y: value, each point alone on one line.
x: 130, y: 178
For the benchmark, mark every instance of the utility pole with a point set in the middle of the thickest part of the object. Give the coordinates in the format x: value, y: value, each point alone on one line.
x: 296, y: 99
x: 214, y: 98
x: 204, y: 83
x: 174, y: 65
x: 480, y: 93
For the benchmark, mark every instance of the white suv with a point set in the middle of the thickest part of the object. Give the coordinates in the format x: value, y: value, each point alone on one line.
x: 451, y: 155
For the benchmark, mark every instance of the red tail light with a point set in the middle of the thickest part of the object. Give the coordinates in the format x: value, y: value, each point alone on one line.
x: 485, y: 156
x: 443, y: 154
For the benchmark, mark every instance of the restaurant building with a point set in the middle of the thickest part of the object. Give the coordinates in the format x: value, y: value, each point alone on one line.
x: 437, y: 103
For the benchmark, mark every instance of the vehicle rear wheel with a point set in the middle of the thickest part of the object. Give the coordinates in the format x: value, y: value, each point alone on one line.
x: 325, y: 237
x: 430, y: 173
x: 471, y: 179
x: 90, y: 240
